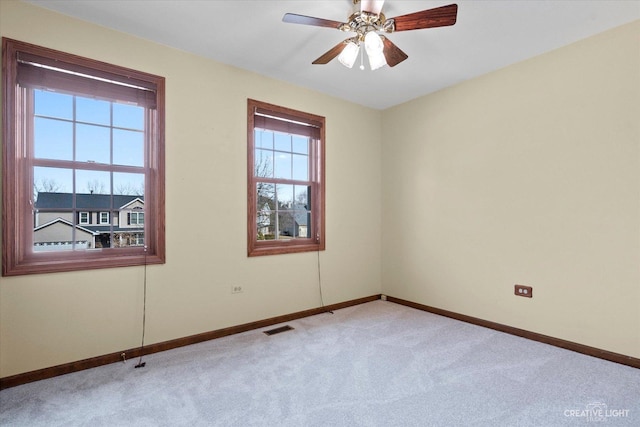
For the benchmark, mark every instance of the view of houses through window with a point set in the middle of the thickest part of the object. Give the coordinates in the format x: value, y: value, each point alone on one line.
x: 98, y: 200
x: 283, y: 209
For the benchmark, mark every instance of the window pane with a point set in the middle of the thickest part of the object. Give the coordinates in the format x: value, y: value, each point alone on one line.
x: 266, y: 196
x: 266, y: 224
x: 300, y: 144
x: 93, y: 111
x: 130, y: 184
x: 284, y: 193
x: 286, y: 225
x: 92, y: 144
x: 53, y: 218
x: 263, y: 139
x: 265, y: 216
x: 51, y: 180
x: 302, y: 220
x: 301, y: 197
x: 82, y: 240
x: 265, y: 209
x: 53, y: 139
x: 283, y: 166
x: 53, y: 104
x: 263, y: 163
x: 128, y: 116
x: 300, y: 167
x: 128, y: 148
x: 93, y: 182
x: 282, y: 141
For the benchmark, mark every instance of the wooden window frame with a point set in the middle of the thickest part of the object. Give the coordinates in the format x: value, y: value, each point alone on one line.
x: 18, y: 258
x: 256, y: 111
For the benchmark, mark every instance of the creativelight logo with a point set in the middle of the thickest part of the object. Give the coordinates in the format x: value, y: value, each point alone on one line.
x: 596, y: 411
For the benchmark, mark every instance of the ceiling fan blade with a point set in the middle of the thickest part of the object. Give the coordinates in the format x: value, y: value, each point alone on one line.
x: 392, y: 53
x: 292, y: 18
x: 331, y: 53
x: 371, y: 6
x: 430, y: 18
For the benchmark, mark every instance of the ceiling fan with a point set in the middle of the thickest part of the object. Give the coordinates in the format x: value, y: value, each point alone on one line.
x: 367, y: 23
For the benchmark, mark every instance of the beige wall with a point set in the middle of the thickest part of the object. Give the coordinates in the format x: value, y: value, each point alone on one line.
x: 527, y: 175
x: 46, y: 320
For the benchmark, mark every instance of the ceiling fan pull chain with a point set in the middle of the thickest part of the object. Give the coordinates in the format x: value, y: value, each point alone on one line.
x: 361, y: 59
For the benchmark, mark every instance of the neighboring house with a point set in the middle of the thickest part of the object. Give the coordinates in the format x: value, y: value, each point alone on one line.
x: 293, y: 222
x: 101, y: 221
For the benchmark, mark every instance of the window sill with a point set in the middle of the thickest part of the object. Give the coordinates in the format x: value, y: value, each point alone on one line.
x: 279, y: 248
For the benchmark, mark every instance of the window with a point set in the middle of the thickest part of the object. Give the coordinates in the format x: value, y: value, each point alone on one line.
x: 81, y: 139
x: 136, y: 218
x: 83, y: 218
x: 104, y: 217
x: 138, y: 239
x: 285, y: 180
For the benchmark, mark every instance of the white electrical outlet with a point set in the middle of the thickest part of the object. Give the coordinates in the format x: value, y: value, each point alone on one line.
x: 236, y: 289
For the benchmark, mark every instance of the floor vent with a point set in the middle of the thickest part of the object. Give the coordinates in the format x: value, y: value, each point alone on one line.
x: 278, y: 330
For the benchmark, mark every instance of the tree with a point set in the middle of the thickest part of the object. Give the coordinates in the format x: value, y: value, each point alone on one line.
x: 265, y: 198
x: 130, y: 189
x: 46, y: 185
x: 302, y: 200
x: 95, y: 186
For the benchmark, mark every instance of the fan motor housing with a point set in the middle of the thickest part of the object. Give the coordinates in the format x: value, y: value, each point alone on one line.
x: 363, y: 22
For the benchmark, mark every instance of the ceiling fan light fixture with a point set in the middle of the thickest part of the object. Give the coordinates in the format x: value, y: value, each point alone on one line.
x: 376, y: 60
x: 374, y: 47
x: 373, y: 43
x: 349, y: 54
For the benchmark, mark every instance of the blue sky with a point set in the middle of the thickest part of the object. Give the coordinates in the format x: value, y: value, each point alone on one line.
x: 285, y: 156
x: 108, y: 133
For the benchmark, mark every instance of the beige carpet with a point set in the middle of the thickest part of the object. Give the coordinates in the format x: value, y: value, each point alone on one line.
x: 376, y: 364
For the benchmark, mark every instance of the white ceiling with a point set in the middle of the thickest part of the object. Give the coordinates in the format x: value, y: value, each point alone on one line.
x: 488, y: 35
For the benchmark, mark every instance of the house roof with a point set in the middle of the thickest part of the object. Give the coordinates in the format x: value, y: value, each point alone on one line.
x: 67, y: 223
x: 91, y: 202
x: 92, y: 229
x: 101, y: 229
x: 300, y: 217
